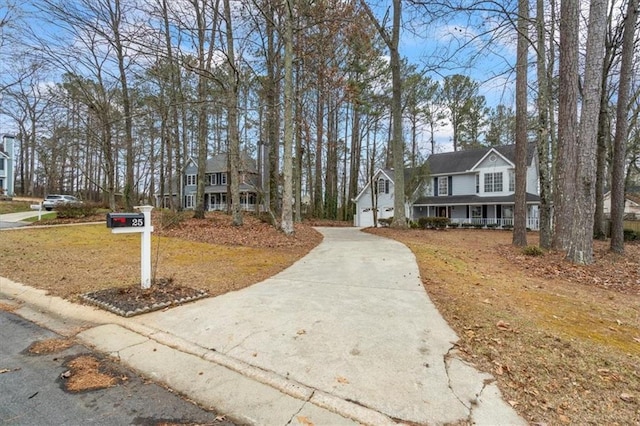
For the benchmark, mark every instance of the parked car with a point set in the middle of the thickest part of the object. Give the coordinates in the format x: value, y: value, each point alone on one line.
x: 51, y: 201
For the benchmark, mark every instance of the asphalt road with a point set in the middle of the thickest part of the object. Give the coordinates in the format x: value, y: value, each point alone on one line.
x: 32, y: 391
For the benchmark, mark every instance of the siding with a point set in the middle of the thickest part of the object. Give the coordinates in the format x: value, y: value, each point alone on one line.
x: 464, y: 184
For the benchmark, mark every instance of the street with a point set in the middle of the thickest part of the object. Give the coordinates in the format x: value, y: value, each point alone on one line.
x: 35, y: 387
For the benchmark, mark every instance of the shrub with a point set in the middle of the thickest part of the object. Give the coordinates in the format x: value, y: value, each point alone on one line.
x: 76, y: 211
x: 467, y: 225
x: 492, y: 225
x: 478, y: 225
x: 170, y: 219
x: 532, y: 251
x: 385, y: 222
x: 414, y: 225
x: 433, y: 222
x: 507, y: 226
x: 630, y: 235
x: 454, y: 225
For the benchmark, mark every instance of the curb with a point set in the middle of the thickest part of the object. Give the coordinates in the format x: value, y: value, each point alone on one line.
x: 95, y: 327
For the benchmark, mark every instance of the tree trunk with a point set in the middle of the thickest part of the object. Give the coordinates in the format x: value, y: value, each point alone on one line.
x: 566, y: 160
x: 287, y: 171
x: 543, y: 130
x: 318, y: 199
x: 331, y: 180
x: 581, y: 244
x: 520, y: 208
x: 622, y: 129
x: 232, y: 121
x: 399, y: 215
x: 273, y: 115
x: 354, y: 165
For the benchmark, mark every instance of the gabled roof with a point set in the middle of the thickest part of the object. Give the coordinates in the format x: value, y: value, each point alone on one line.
x: 389, y: 174
x: 218, y: 163
x: 463, y: 161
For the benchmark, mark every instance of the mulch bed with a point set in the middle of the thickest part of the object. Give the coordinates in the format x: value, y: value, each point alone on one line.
x: 134, y: 300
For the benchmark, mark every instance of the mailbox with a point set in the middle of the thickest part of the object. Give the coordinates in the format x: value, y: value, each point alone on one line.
x: 125, y: 220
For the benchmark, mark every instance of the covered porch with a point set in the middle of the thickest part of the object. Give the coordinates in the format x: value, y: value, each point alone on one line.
x: 477, y: 211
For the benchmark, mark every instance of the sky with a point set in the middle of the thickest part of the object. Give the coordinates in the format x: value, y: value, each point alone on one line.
x: 429, y: 45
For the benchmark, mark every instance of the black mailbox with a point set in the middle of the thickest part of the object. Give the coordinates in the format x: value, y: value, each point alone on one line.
x: 125, y: 220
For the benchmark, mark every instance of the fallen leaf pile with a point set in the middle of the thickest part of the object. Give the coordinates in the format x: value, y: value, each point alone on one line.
x: 609, y: 271
x: 216, y: 228
x: 87, y: 372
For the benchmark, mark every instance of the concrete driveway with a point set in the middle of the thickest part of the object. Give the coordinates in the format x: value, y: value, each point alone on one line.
x: 14, y: 220
x: 352, y: 320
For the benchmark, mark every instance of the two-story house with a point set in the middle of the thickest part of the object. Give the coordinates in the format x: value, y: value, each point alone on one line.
x: 7, y: 161
x: 472, y: 186
x: 216, y: 190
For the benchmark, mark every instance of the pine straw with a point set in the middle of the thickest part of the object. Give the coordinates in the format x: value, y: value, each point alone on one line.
x: 50, y: 346
x: 86, y: 374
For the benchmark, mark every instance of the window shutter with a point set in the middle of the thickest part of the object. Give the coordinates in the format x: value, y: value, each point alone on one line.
x: 450, y: 185
x: 435, y: 186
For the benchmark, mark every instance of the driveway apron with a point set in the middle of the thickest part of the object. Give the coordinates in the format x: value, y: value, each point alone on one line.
x: 351, y: 319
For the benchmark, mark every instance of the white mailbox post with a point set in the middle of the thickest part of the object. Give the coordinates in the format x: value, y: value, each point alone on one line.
x: 125, y: 223
x: 39, y: 208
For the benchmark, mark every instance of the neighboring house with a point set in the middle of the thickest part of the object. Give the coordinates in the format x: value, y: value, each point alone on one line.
x: 7, y: 161
x: 217, y: 184
x: 631, y: 204
x: 473, y: 186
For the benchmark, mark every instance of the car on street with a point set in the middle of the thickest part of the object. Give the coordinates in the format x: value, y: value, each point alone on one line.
x: 51, y: 201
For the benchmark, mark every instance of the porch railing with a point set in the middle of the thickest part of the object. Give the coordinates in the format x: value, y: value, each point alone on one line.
x: 223, y: 207
x: 532, y: 222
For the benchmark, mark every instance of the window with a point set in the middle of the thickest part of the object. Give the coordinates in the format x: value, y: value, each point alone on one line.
x: 191, y: 180
x: 443, y: 186
x: 507, y: 212
x: 213, y: 179
x: 512, y: 180
x: 223, y: 178
x: 476, y: 212
x: 477, y: 184
x: 383, y: 186
x: 189, y: 201
x: 1, y: 163
x: 493, y: 182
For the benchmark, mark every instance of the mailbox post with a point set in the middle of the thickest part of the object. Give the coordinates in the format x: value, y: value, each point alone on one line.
x: 125, y: 223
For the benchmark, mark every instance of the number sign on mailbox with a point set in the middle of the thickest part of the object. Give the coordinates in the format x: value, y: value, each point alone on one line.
x: 125, y: 220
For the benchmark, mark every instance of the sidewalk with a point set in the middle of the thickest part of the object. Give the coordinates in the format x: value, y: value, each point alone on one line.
x: 346, y: 335
x: 14, y: 220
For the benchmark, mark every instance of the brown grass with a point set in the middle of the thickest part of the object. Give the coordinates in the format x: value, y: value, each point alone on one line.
x: 72, y: 260
x: 564, y: 351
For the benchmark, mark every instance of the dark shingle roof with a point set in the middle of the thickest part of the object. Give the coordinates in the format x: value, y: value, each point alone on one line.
x: 462, y: 161
x: 218, y: 163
